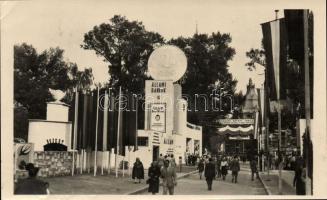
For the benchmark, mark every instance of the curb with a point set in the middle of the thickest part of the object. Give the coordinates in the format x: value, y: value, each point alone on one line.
x: 145, y: 188
x: 264, y: 185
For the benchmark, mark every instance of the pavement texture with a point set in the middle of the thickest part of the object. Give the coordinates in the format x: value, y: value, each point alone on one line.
x: 188, y: 183
x: 87, y: 184
x: 270, y: 182
x: 193, y: 185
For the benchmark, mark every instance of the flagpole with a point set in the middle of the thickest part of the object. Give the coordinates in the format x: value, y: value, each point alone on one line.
x: 308, y: 184
x: 96, y: 134
x: 110, y: 104
x: 118, y: 130
x: 75, y: 129
x: 266, y: 109
x: 104, y: 135
x: 129, y: 161
x: 123, y: 166
x: 109, y: 161
x: 136, y: 121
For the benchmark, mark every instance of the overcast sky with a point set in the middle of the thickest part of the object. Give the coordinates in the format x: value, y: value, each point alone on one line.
x: 50, y: 24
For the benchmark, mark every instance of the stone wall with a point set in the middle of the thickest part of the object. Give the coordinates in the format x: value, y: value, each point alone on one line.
x: 53, y: 163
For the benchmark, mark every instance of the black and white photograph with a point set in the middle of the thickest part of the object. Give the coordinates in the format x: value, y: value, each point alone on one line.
x: 205, y: 99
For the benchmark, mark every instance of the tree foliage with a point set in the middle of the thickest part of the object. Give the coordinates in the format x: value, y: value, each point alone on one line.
x: 34, y: 74
x: 126, y: 46
x: 207, y: 70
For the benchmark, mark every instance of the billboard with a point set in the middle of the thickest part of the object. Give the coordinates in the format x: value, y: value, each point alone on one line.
x: 158, y: 117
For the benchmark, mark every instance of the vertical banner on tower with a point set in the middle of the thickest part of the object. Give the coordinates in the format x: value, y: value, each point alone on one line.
x: 158, y: 117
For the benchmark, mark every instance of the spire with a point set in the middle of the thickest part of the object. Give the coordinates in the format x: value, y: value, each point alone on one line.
x: 196, y: 27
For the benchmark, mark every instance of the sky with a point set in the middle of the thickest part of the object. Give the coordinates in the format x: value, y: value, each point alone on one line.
x: 46, y: 24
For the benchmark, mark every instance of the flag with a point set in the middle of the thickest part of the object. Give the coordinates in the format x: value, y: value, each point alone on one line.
x: 294, y: 26
x: 72, y: 112
x: 84, y: 125
x: 112, y: 123
x: 90, y: 137
x: 79, y: 137
x: 120, y: 133
x: 129, y: 121
x: 100, y: 101
x: 275, y: 45
x: 295, y: 31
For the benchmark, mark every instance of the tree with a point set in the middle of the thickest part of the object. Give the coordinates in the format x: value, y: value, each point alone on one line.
x: 34, y: 74
x: 126, y: 46
x: 207, y: 70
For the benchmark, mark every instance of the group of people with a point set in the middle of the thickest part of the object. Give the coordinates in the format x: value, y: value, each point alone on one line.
x: 191, y: 159
x: 164, y: 168
x: 216, y: 167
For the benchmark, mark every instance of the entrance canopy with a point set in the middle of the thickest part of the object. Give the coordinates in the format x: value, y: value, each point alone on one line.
x: 236, y: 131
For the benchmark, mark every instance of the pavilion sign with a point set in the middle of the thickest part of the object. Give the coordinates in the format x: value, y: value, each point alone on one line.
x: 236, y: 121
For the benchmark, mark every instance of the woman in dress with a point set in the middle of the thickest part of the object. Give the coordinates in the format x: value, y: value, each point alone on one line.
x: 138, y: 171
x: 224, y: 167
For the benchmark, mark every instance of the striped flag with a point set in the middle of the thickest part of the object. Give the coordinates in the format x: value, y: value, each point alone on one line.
x: 275, y: 45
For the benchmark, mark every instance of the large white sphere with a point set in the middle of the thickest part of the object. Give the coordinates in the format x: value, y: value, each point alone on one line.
x: 167, y: 63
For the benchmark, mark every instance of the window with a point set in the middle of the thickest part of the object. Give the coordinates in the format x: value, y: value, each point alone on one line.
x: 142, y: 141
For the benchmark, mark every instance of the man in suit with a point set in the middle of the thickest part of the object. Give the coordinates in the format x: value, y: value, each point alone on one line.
x: 210, y: 173
x: 254, y: 169
x: 168, y: 175
x: 235, y: 168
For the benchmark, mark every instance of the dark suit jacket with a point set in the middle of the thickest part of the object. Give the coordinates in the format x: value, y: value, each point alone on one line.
x: 210, y: 170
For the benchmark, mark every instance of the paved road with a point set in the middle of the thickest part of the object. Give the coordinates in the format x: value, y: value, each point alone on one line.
x: 192, y: 185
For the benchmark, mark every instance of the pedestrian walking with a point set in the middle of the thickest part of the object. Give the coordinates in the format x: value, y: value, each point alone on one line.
x: 218, y: 165
x: 154, y: 174
x: 168, y: 175
x: 299, y: 176
x: 31, y: 185
x: 138, y: 171
x: 172, y: 161
x: 210, y: 173
x: 224, y: 167
x: 201, y: 168
x: 180, y: 163
x: 254, y: 168
x: 160, y: 161
x: 235, y: 168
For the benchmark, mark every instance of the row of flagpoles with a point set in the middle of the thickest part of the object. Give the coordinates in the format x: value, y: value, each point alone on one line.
x: 99, y: 125
x: 281, y: 38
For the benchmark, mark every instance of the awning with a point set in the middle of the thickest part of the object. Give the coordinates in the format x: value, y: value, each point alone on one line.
x: 235, y: 131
